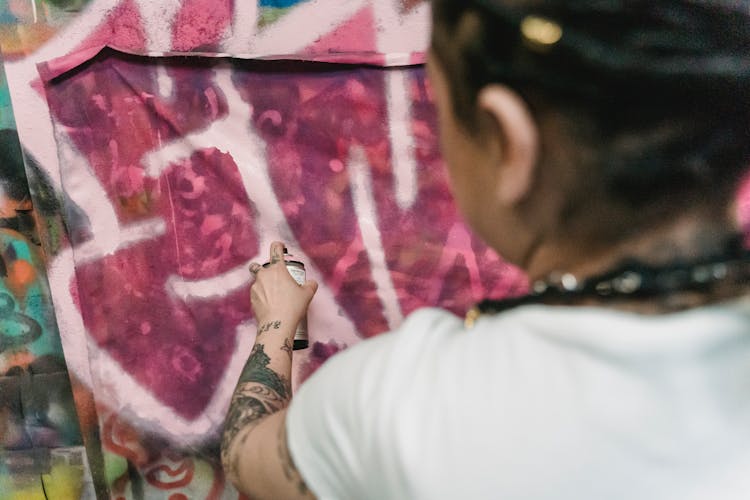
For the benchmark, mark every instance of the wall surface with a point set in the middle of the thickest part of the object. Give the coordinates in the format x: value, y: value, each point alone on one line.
x: 39, y: 428
x: 157, y: 178
x: 166, y: 144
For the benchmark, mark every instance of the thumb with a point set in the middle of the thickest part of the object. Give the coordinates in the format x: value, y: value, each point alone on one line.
x: 311, y: 286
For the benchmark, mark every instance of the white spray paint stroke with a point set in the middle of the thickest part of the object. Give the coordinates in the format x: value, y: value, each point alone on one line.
x: 164, y: 83
x: 73, y: 333
x: 399, y: 33
x: 403, y: 160
x: 127, y: 236
x: 158, y: 22
x: 241, y: 32
x: 84, y: 188
x: 366, y: 211
x: 389, y: 22
x: 207, y: 288
x: 305, y: 24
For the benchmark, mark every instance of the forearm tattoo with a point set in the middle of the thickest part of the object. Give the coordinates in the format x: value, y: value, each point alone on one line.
x: 288, y: 347
x: 260, y: 392
x: 267, y: 326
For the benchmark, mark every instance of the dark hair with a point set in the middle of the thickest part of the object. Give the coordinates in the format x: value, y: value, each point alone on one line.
x: 665, y: 83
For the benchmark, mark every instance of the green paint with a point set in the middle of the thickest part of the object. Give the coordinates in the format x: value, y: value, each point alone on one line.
x: 6, y: 109
x: 115, y: 467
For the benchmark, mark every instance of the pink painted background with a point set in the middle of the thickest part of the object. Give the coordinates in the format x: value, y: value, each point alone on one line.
x: 174, y: 173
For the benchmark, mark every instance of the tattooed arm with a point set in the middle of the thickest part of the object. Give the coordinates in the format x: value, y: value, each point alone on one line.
x: 254, y: 451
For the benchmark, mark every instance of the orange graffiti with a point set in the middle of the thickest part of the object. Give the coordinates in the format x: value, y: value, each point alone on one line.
x: 123, y: 440
x: 21, y: 275
x: 185, y: 469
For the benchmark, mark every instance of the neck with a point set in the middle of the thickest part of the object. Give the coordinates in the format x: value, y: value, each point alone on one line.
x: 689, y: 237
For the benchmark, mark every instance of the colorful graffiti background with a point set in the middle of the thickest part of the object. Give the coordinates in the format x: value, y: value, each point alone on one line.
x: 39, y: 428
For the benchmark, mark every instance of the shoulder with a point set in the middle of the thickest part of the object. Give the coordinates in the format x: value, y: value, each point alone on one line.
x: 366, y: 364
x: 423, y: 327
x: 339, y: 421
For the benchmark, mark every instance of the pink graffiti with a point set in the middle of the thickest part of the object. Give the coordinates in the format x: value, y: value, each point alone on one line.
x: 123, y: 296
x: 310, y: 122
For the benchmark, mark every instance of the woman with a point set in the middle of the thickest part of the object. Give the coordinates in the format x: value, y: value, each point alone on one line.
x: 598, y: 145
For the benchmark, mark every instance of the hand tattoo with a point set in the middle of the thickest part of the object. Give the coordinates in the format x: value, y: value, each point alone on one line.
x: 267, y: 326
x: 260, y: 392
x: 288, y: 347
x: 275, y: 257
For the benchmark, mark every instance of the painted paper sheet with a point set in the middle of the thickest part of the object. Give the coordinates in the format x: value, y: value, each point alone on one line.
x: 34, y: 31
x: 186, y: 174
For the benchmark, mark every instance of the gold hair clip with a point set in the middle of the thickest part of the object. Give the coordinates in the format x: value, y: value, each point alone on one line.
x: 540, y: 33
x: 471, y: 316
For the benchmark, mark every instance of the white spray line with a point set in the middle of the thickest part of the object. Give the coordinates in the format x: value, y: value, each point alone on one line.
x: 215, y: 412
x: 391, y: 24
x: 214, y: 286
x: 304, y: 24
x: 128, y: 236
x: 366, y: 211
x: 158, y: 19
x: 243, y: 28
x: 396, y: 31
x: 73, y: 333
x: 403, y: 161
x: 83, y: 188
x: 164, y: 82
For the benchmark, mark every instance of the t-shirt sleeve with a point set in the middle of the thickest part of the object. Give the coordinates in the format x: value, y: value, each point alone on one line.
x: 340, y: 422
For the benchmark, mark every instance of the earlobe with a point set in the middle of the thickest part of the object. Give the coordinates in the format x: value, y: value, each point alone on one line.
x: 519, y: 138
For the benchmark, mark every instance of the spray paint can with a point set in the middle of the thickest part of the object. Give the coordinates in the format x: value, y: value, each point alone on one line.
x: 297, y: 270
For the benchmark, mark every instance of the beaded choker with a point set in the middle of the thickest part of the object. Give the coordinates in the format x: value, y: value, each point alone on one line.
x: 633, y: 279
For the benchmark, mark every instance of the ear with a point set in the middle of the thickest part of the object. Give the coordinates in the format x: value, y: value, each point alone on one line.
x: 518, y: 139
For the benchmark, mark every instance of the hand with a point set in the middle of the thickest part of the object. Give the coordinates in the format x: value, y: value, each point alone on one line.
x: 275, y: 295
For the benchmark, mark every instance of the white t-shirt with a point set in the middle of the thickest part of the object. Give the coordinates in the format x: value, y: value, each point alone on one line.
x: 539, y: 402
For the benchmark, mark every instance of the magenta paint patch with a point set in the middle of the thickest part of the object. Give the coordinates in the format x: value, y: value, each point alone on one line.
x: 201, y: 24
x: 355, y: 35
x: 122, y: 28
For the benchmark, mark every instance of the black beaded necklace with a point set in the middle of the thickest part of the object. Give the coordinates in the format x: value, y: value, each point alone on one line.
x: 633, y: 279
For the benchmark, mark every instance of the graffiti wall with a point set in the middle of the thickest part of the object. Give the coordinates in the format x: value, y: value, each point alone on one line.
x: 156, y: 179
x: 39, y: 428
x: 166, y: 144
